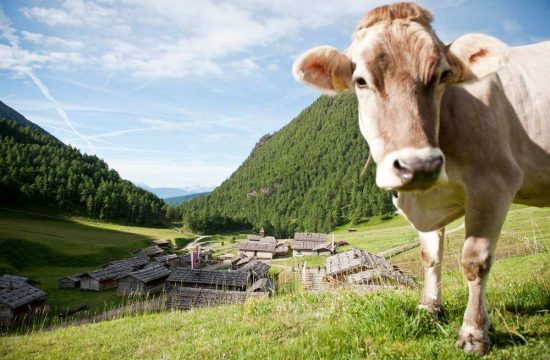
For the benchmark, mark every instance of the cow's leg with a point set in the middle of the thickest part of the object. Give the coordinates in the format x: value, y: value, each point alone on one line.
x: 431, y: 245
x: 484, y: 221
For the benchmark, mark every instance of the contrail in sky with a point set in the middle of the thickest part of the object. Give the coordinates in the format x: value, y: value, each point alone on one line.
x: 9, y: 33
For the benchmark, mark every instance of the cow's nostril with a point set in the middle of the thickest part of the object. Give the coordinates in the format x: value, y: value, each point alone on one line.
x: 404, y: 171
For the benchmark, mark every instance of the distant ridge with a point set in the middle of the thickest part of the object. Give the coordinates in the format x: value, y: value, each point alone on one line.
x: 9, y: 113
x: 176, y: 200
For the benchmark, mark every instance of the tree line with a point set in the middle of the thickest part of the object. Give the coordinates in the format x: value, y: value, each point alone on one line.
x: 305, y: 177
x: 37, y: 169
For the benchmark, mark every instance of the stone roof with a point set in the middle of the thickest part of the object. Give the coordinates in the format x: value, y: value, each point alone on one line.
x: 149, y: 251
x: 257, y: 246
x: 354, y: 260
x: 187, y: 298
x: 134, y: 263
x: 245, y: 260
x: 319, y: 237
x: 266, y: 239
x: 256, y: 268
x: 262, y: 285
x: 9, y: 280
x: 149, y: 274
x: 109, y: 273
x: 380, y: 276
x: 212, y: 277
x: 20, y: 294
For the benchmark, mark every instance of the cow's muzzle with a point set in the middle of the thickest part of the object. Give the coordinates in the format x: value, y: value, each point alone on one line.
x: 411, y: 169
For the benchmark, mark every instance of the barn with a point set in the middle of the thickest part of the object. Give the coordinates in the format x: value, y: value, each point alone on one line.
x: 70, y: 282
x: 142, y: 282
x: 311, y: 244
x: 103, y: 279
x: 18, y: 299
x: 259, y: 249
x: 213, y: 279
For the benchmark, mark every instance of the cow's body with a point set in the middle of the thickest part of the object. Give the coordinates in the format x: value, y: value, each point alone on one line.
x: 456, y: 130
x: 493, y: 130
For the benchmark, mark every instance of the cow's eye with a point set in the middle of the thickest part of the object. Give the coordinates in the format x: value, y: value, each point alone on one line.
x: 445, y: 76
x: 361, y: 83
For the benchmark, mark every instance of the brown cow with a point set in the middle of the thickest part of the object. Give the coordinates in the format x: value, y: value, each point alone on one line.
x: 459, y: 129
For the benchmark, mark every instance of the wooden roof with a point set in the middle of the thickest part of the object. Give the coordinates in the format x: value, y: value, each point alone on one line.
x: 257, y: 246
x: 187, y: 298
x: 384, y: 275
x: 109, y: 273
x: 160, y: 242
x: 149, y: 274
x: 310, y: 245
x: 212, y: 277
x: 320, y: 237
x: 256, y: 268
x: 353, y: 260
x: 74, y: 277
x: 166, y: 258
x: 9, y: 280
x: 267, y: 239
x: 20, y: 294
x: 149, y: 251
x: 134, y: 263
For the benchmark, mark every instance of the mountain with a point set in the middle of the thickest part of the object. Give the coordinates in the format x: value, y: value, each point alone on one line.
x: 168, y: 192
x: 304, y: 177
x: 176, y: 200
x: 7, y: 112
x: 36, y: 169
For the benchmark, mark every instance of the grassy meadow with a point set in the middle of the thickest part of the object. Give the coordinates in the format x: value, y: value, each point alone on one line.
x: 46, y: 248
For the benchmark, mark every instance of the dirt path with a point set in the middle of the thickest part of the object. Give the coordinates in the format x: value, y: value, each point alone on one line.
x: 195, y: 242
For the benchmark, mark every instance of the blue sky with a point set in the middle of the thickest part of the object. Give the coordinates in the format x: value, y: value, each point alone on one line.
x: 176, y: 92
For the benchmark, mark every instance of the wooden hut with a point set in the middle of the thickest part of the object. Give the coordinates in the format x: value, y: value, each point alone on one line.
x: 265, y: 239
x: 311, y: 244
x: 70, y: 282
x: 358, y: 267
x: 103, y: 279
x: 256, y: 269
x: 142, y: 282
x: 19, y: 299
x: 214, y: 279
x: 261, y: 250
x: 149, y: 252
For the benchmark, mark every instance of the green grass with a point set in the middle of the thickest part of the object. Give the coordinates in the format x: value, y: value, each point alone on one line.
x: 47, y: 248
x: 327, y: 325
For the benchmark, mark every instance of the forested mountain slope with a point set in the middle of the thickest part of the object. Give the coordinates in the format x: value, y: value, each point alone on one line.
x: 7, y: 112
x: 305, y: 177
x: 37, y: 169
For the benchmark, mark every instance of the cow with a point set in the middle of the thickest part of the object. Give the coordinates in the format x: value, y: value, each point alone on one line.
x: 455, y: 130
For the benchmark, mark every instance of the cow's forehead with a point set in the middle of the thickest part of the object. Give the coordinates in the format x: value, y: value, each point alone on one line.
x: 407, y: 45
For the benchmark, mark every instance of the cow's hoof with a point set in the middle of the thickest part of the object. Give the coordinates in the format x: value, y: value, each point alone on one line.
x: 435, y: 310
x: 474, y: 340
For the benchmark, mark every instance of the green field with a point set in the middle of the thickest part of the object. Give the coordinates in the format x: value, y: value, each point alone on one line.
x: 327, y: 325
x: 46, y: 248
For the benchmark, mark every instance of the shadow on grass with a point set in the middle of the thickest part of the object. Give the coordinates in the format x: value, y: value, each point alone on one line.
x: 182, y: 242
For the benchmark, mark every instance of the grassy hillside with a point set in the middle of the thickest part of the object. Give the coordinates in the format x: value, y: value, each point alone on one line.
x: 46, y: 248
x: 176, y: 200
x: 325, y: 325
x: 305, y: 176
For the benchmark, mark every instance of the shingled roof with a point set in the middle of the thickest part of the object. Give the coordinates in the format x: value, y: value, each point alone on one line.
x: 256, y: 268
x: 353, y: 260
x: 149, y: 251
x: 310, y: 245
x: 109, y: 273
x: 266, y: 239
x: 134, y: 263
x: 149, y: 274
x: 165, y: 258
x: 319, y: 237
x: 187, y: 298
x: 213, y: 277
x: 20, y: 294
x: 10, y: 280
x: 257, y: 246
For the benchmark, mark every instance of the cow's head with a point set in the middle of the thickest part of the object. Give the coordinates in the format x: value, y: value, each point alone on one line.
x: 399, y: 69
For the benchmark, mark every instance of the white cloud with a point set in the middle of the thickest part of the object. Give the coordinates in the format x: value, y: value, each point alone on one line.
x: 510, y: 26
x: 51, y: 41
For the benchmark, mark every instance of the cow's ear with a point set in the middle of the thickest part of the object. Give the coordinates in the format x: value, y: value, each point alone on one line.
x: 325, y: 69
x: 474, y: 56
